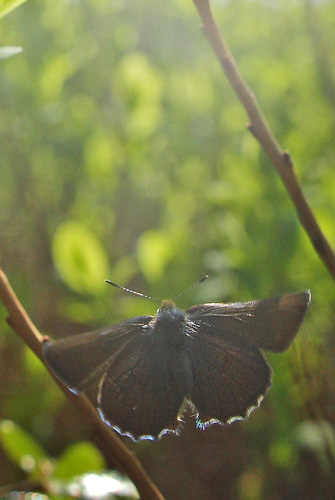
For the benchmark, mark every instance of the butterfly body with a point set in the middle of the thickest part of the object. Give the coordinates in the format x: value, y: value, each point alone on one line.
x: 172, y: 331
x: 141, y: 373
x: 169, y: 325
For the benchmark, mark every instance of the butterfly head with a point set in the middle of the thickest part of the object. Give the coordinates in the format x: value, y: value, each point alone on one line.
x: 167, y: 305
x: 168, y: 313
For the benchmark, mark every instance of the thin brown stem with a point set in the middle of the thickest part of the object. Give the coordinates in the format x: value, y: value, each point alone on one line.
x: 259, y: 127
x: 24, y: 327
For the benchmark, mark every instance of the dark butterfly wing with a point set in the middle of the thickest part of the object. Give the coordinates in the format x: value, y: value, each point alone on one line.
x: 229, y: 379
x: 124, y: 374
x: 78, y: 358
x: 138, y: 396
x: 269, y: 324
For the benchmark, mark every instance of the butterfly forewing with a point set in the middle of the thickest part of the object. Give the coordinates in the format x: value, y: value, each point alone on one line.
x: 269, y: 324
x: 75, y: 359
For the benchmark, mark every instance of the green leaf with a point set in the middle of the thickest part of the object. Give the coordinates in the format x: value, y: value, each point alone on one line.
x: 77, y: 459
x: 154, y: 251
x: 80, y: 258
x: 7, y: 5
x: 283, y: 454
x: 20, y: 446
x: 6, y: 52
x: 141, y: 86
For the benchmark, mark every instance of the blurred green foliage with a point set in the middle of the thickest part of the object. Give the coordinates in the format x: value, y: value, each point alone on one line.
x: 7, y: 6
x: 79, y: 258
x: 79, y: 471
x: 124, y: 155
x: 19, y: 446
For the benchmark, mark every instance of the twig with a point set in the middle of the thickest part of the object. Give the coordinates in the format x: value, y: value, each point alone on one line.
x: 260, y: 129
x: 24, y: 327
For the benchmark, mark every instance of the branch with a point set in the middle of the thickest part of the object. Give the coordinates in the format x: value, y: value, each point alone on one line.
x: 260, y: 129
x: 21, y: 323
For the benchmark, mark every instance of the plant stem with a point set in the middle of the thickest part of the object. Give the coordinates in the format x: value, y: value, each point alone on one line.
x: 24, y: 327
x: 259, y: 127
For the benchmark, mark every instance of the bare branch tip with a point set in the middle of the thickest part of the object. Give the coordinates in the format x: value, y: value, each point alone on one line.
x: 288, y: 159
x: 9, y: 321
x: 252, y: 129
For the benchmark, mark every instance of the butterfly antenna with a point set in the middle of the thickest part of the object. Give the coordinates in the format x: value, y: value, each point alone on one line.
x: 131, y: 291
x: 191, y: 287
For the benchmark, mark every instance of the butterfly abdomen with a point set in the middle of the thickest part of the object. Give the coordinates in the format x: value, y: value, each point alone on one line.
x: 169, y: 331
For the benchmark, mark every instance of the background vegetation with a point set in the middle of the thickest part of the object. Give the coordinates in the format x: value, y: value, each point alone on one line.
x: 124, y: 155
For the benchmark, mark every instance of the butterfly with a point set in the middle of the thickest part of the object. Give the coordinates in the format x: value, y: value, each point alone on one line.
x: 143, y: 374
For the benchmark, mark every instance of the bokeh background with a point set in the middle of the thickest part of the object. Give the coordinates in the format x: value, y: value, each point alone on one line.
x: 124, y: 155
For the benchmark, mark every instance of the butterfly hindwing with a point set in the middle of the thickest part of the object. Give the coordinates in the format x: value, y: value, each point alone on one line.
x: 229, y: 379
x: 138, y: 395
